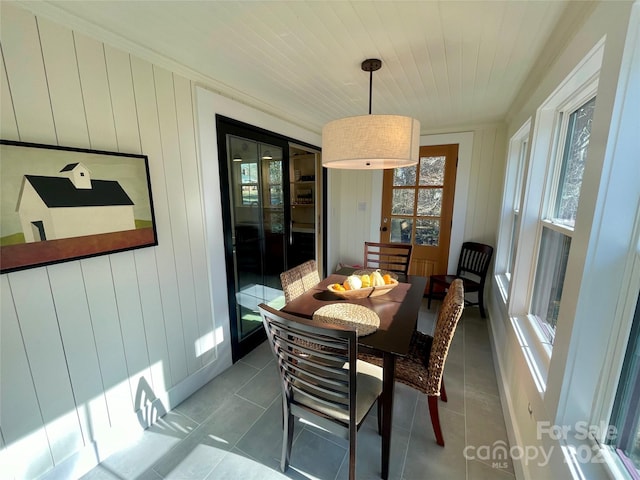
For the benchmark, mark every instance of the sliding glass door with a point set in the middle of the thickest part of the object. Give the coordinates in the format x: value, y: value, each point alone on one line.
x: 259, y: 191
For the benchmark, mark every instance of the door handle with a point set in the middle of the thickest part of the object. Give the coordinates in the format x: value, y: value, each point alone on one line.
x: 385, y: 221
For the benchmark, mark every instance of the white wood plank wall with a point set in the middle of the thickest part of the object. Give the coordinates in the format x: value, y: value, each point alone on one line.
x: 78, y: 339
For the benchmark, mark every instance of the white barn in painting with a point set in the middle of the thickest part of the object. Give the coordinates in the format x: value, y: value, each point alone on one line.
x: 72, y: 205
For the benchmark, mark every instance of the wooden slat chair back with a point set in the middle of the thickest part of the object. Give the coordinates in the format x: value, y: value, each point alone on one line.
x: 322, y: 380
x: 392, y: 257
x: 474, y: 260
x: 473, y: 266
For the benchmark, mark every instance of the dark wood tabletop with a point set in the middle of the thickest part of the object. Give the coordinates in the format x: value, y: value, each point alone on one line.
x: 398, y: 310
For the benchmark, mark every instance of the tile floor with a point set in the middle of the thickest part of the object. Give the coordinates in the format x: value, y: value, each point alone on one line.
x: 231, y: 428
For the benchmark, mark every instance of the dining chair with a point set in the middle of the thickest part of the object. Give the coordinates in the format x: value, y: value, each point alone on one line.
x: 423, y: 367
x: 299, y: 279
x: 473, y: 265
x: 322, y: 380
x: 392, y: 257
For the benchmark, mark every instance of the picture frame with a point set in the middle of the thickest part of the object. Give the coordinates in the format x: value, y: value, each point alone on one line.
x: 59, y: 204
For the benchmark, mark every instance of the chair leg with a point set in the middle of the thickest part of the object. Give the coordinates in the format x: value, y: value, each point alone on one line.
x: 352, y: 452
x: 435, y: 419
x: 443, y: 392
x: 287, y: 440
x: 430, y: 294
x: 481, y: 302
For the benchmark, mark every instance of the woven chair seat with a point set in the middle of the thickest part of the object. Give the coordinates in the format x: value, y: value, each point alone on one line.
x: 362, y: 319
x: 412, y: 370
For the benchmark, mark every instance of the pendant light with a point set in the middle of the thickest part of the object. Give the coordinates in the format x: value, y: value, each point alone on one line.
x: 371, y: 142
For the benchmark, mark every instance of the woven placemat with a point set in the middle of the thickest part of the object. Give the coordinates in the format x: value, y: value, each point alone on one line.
x: 364, y: 320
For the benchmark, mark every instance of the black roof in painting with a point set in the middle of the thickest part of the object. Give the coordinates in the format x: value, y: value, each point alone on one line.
x: 60, y: 192
x: 71, y: 166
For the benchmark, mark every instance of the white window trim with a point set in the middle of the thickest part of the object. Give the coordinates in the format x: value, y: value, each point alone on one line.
x: 557, y: 227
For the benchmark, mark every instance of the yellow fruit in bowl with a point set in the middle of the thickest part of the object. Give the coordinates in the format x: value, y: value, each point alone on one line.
x: 366, y: 281
x: 377, y: 280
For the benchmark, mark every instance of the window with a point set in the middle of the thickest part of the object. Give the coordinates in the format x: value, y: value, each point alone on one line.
x: 513, y: 238
x: 572, y: 167
x: 552, y: 265
x: 626, y: 411
x: 249, y: 179
x: 558, y: 223
x: 427, y: 186
x: 511, y: 207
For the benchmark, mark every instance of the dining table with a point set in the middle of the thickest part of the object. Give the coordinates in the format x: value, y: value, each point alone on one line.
x: 398, y: 312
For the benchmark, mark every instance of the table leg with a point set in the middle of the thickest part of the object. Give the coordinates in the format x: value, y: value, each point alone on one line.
x: 388, y: 380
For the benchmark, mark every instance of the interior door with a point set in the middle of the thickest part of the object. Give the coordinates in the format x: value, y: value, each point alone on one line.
x: 417, y: 208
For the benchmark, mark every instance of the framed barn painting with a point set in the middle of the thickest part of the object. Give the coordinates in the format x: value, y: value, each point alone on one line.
x: 59, y: 204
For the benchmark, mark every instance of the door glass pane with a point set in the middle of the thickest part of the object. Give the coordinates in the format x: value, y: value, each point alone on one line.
x: 249, y: 171
x: 427, y: 232
x: 401, y: 230
x: 403, y: 200
x: 432, y: 170
x: 274, y: 213
x: 404, y: 176
x: 258, y: 225
x: 249, y: 194
x: 430, y: 202
x: 275, y: 194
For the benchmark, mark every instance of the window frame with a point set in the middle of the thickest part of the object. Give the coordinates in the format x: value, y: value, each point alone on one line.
x: 576, y: 101
x: 541, y: 171
x: 553, y: 176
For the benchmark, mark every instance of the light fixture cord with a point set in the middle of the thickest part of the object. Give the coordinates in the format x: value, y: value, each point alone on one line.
x: 370, y: 89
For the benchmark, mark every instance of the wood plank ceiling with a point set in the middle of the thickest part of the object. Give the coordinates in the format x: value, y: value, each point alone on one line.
x: 447, y: 63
